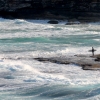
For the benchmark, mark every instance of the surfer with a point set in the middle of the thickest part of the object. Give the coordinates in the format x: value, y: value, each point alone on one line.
x: 93, y: 50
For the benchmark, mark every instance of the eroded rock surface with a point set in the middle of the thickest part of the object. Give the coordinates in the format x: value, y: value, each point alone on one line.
x: 85, y: 61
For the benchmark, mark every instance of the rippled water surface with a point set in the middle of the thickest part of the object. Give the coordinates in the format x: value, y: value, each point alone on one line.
x: 23, y: 78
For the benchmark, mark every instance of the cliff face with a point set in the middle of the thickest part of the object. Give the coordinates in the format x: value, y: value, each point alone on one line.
x: 30, y: 9
x: 69, y: 5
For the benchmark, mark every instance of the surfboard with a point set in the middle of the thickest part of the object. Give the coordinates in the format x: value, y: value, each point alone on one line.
x: 92, y: 50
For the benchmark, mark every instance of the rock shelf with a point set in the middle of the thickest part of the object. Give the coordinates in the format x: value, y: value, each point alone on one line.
x: 85, y: 61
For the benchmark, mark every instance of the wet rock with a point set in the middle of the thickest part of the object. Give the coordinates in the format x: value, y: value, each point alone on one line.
x: 97, y: 58
x: 53, y: 60
x: 72, y: 23
x: 53, y: 22
x: 85, y: 61
x: 92, y: 67
x: 41, y: 59
x: 86, y: 66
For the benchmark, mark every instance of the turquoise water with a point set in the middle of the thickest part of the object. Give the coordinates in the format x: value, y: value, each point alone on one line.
x: 23, y: 78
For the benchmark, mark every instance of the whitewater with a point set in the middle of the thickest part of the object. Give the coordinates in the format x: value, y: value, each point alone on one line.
x: 24, y: 78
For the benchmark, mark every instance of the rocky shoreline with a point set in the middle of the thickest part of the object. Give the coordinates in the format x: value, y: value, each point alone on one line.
x: 87, y: 62
x: 72, y: 17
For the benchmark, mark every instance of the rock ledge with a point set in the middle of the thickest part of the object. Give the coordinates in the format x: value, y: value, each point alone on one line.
x: 86, y: 62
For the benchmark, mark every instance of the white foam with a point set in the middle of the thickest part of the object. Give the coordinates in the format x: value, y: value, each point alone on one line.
x: 27, y: 71
x: 34, y: 71
x: 41, y: 28
x: 97, y: 39
x: 68, y: 51
x: 97, y: 97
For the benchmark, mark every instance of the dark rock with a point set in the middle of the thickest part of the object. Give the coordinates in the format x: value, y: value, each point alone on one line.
x: 83, y: 65
x: 52, y: 60
x: 72, y: 23
x: 91, y: 67
x: 41, y: 59
x: 86, y: 68
x: 65, y: 62
x: 53, y: 22
x: 97, y: 59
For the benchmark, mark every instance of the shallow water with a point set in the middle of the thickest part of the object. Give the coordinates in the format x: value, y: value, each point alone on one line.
x: 23, y: 78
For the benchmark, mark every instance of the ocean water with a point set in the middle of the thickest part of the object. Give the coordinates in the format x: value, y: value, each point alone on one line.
x: 23, y: 78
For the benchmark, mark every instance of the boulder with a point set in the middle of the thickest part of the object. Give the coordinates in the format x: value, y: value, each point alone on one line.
x: 53, y: 22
